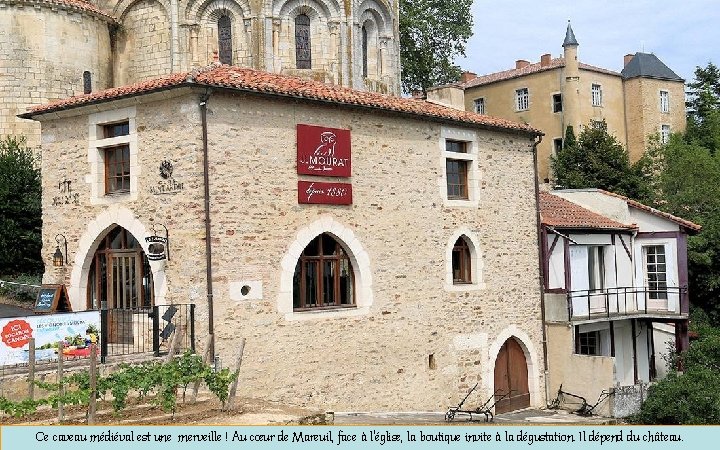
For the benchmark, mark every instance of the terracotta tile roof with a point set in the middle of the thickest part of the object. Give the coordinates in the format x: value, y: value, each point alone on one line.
x: 527, y: 70
x: 690, y: 226
x: 557, y: 212
x: 78, y: 4
x: 249, y: 80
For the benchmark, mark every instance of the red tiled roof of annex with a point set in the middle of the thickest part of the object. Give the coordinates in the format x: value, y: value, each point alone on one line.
x: 250, y: 80
x: 557, y: 212
x: 527, y: 70
x: 79, y: 4
x: 691, y: 226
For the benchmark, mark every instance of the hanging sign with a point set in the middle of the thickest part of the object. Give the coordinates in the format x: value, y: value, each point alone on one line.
x: 158, y: 246
x: 324, y: 193
x: 323, y: 151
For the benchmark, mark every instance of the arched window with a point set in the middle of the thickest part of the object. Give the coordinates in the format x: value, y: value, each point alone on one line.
x: 323, y: 276
x: 303, y: 55
x: 364, y: 51
x: 461, y: 266
x: 225, y: 40
x: 120, y: 275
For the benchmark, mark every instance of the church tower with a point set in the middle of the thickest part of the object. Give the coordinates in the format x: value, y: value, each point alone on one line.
x: 60, y: 48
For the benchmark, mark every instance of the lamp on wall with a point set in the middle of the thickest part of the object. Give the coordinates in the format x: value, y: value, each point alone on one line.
x: 60, y: 259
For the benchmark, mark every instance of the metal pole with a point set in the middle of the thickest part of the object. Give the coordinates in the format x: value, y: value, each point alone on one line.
x: 208, y: 236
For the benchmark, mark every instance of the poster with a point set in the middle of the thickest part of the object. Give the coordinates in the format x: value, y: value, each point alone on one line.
x: 76, y: 330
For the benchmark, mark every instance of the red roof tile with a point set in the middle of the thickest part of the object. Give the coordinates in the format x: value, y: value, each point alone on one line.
x: 249, y: 80
x: 527, y: 70
x: 690, y: 226
x: 557, y: 212
x: 77, y: 4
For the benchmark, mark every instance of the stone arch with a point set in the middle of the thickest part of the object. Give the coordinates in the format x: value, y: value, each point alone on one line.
x: 377, y: 13
x: 123, y: 6
x: 329, y: 9
x: 200, y: 11
x: 206, y: 15
x: 88, y: 243
x: 326, y: 37
x: 477, y: 264
x: 377, y: 18
x: 531, y: 358
x: 350, y: 243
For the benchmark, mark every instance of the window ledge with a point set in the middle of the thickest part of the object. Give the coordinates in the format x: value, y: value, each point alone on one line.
x: 327, y: 314
x: 460, y: 203
x: 465, y: 287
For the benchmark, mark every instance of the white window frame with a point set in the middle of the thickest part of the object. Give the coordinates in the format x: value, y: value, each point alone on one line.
x: 664, y: 101
x: 470, y: 156
x: 671, y: 268
x: 96, y: 155
x: 522, y: 99
x: 597, y: 95
x: 664, y: 133
x: 479, y: 105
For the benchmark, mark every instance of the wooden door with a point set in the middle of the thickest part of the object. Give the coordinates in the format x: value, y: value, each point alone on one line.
x: 511, y: 376
x: 124, y: 289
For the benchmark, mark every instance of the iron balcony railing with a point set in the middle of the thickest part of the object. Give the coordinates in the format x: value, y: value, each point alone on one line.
x: 625, y: 301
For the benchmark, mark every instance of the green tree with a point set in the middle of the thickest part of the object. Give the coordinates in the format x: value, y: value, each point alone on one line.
x: 703, y: 105
x: 20, y: 211
x: 685, y: 179
x: 597, y: 160
x: 432, y: 34
x: 691, y: 397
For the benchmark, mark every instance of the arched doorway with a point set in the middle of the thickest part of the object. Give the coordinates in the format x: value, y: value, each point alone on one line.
x: 120, y: 280
x: 511, y: 376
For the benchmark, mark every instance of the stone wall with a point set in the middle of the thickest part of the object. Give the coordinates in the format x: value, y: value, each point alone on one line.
x: 143, y: 43
x: 398, y: 229
x: 44, y: 51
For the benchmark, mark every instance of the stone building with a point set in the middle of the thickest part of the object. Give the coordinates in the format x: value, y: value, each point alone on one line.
x: 377, y: 253
x: 52, y: 49
x: 645, y: 99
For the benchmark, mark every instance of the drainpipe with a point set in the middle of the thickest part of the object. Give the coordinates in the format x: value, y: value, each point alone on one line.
x: 208, y: 238
x: 541, y: 280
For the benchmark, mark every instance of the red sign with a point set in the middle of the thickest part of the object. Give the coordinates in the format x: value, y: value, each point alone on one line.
x: 324, y: 193
x: 16, y: 333
x: 323, y: 151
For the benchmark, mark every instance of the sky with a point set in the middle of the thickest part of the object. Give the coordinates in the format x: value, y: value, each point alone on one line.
x: 682, y: 34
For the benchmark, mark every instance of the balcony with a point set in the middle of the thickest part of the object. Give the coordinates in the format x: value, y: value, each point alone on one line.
x: 619, y: 302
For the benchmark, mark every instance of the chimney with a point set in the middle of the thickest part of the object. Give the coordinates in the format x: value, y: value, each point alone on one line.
x: 216, y: 57
x: 520, y: 63
x: 628, y: 57
x: 545, y: 60
x: 467, y: 76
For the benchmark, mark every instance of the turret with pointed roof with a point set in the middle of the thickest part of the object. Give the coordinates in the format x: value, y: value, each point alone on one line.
x: 570, y: 37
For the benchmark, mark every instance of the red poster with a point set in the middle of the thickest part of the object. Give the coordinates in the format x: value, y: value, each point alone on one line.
x: 324, y: 193
x: 323, y: 151
x: 16, y: 333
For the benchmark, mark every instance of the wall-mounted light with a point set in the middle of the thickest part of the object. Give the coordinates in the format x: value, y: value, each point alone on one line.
x: 60, y: 259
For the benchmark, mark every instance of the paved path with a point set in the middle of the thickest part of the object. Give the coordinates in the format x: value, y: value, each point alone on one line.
x: 13, y: 311
x: 526, y: 416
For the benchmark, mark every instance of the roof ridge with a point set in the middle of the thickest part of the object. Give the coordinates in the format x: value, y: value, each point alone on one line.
x: 252, y: 80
